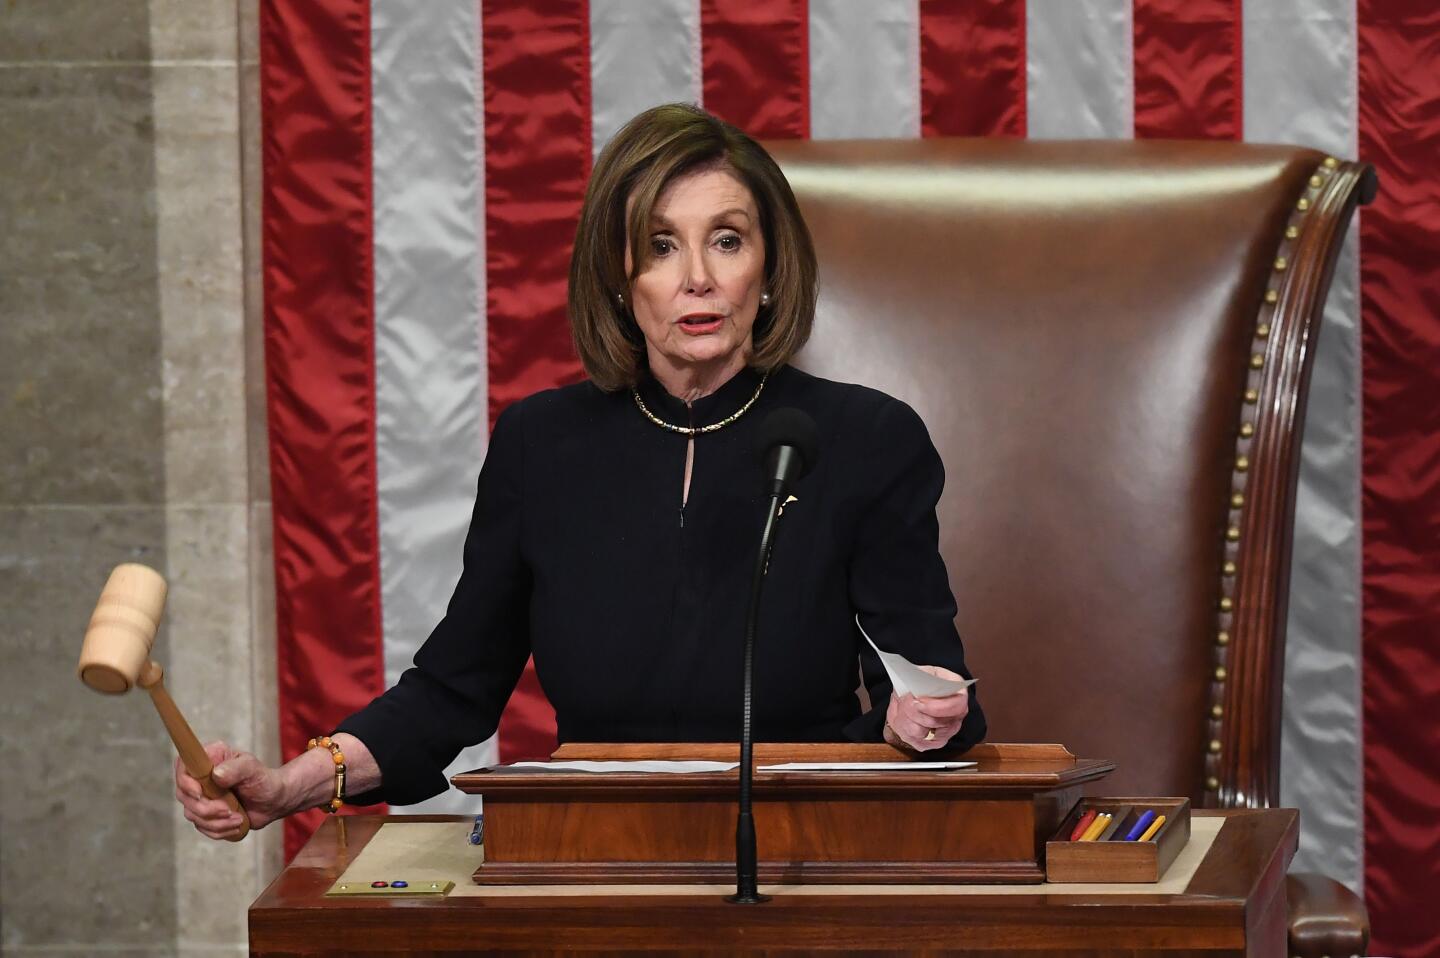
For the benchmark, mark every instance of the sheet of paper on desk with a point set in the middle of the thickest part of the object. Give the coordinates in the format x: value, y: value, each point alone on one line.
x: 605, y: 768
x: 865, y: 767
x: 905, y: 676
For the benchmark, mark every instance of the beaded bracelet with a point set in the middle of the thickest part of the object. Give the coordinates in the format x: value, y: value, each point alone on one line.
x: 332, y: 806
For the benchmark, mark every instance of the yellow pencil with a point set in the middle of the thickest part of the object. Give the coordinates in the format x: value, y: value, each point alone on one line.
x: 1154, y: 827
x: 1096, y: 827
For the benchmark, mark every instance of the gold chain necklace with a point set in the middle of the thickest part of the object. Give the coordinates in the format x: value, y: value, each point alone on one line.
x: 698, y: 430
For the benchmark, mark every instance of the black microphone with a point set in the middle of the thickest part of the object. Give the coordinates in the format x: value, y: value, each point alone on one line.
x: 789, y: 445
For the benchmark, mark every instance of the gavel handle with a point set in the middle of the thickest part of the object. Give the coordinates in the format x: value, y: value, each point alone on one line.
x: 192, y: 754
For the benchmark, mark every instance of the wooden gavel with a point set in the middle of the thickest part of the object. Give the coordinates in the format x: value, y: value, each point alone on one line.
x: 116, y: 657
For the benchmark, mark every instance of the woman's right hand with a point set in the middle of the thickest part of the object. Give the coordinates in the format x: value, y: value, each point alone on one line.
x: 259, y: 788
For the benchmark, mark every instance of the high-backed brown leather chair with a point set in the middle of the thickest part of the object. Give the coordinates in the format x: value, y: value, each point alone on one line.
x: 1110, y: 343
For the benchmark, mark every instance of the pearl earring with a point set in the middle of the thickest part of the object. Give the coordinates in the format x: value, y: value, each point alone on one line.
x: 620, y: 298
x: 764, y: 299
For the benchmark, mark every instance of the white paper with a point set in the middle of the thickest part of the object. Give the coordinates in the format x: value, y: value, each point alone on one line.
x: 606, y: 768
x: 905, y: 676
x: 692, y: 767
x: 865, y: 767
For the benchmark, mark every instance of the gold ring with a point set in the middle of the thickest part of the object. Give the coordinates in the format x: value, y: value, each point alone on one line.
x: 930, y: 735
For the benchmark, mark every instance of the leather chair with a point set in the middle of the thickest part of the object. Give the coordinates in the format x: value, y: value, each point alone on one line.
x: 1110, y: 343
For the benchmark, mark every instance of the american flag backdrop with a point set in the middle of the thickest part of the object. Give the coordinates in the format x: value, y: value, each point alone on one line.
x: 424, y: 162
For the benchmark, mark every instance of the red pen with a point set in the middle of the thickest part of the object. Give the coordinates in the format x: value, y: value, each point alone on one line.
x: 1083, y: 824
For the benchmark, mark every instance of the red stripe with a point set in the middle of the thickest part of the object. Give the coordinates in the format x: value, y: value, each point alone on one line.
x: 527, y: 727
x: 972, y: 68
x: 537, y: 160
x: 319, y: 363
x: 1188, y: 56
x: 1399, y: 93
x: 755, y: 60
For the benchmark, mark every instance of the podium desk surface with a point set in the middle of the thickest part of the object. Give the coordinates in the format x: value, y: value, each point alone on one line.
x: 1234, y: 905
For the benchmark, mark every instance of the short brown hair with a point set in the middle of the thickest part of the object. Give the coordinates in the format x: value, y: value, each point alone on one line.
x: 651, y: 151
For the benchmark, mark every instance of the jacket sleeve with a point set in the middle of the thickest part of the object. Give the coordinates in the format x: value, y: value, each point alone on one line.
x: 462, y: 676
x: 897, y: 579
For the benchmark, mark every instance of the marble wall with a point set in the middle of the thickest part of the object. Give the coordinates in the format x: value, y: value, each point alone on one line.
x: 131, y: 429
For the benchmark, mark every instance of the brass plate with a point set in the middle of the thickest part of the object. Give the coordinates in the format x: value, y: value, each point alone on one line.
x: 414, y: 889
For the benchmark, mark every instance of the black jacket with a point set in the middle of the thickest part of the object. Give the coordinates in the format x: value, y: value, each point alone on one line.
x: 579, y: 552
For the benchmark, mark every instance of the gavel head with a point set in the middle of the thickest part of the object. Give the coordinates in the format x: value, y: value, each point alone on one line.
x: 122, y: 629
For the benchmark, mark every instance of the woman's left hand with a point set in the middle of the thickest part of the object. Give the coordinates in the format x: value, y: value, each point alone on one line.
x: 922, y: 723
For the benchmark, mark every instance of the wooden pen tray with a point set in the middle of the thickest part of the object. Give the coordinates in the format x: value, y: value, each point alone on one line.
x: 1118, y: 861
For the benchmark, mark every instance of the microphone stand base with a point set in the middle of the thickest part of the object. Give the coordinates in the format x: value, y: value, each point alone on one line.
x: 747, y: 899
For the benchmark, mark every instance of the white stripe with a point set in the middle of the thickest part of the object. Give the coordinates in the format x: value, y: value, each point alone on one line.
x: 864, y: 69
x: 1300, y: 70
x: 641, y: 55
x: 1079, y: 69
x: 430, y: 362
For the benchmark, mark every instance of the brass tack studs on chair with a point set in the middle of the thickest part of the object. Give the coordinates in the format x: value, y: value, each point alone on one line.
x: 1247, y: 429
x: 1222, y: 637
x: 1302, y: 204
x: 1227, y: 569
x: 1237, y: 500
x: 1331, y: 162
x: 1272, y: 296
x: 1257, y: 361
x: 1242, y: 463
x: 1233, y: 533
x: 1226, y: 604
x: 1262, y: 331
x: 1219, y: 673
x: 1280, y: 264
x: 1252, y: 395
x: 1215, y: 746
x: 1316, y: 180
x: 1212, y: 783
x: 1291, y: 232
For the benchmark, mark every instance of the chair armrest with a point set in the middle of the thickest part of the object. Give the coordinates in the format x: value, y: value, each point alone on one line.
x: 1325, y: 919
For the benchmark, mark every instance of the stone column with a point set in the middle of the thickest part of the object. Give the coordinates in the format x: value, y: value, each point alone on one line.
x: 131, y: 429
x: 217, y: 517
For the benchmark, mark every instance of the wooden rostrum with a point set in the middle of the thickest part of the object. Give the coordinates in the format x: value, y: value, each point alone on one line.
x: 986, y: 824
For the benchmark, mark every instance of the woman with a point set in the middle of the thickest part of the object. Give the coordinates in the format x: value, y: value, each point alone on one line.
x: 616, y: 520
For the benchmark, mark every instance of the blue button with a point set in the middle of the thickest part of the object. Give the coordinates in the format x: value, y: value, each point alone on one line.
x: 399, y: 884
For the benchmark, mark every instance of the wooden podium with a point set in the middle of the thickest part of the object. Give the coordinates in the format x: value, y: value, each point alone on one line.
x: 1234, y: 903
x: 986, y: 824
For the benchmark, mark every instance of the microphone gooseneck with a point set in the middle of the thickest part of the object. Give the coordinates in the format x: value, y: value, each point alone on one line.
x: 789, y: 445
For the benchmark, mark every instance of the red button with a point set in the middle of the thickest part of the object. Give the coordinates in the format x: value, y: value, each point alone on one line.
x: 379, y: 884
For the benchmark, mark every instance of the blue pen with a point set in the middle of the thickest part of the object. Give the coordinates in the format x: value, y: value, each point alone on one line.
x: 1141, y: 823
